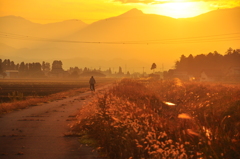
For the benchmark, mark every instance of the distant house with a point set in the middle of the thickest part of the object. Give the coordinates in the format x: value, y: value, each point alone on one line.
x: 211, y: 75
x: 11, y: 73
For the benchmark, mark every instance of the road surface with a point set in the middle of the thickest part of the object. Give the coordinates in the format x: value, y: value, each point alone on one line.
x: 38, y: 132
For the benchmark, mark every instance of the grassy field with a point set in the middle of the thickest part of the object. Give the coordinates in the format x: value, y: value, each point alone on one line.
x: 21, y: 93
x: 164, y: 119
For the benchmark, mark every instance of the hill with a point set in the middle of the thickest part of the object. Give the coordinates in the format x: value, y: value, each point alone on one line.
x: 135, y: 25
x: 132, y: 35
x: 13, y: 27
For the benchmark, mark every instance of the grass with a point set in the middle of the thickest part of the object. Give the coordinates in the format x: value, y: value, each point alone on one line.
x: 14, y: 88
x: 164, y: 119
x: 33, y: 101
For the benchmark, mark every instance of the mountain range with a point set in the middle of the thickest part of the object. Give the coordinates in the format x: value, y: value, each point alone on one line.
x: 132, y: 40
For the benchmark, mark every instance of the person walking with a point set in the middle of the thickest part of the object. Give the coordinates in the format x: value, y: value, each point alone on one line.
x: 92, y: 83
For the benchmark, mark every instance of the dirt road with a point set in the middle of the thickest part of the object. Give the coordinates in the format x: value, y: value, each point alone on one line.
x: 38, y: 132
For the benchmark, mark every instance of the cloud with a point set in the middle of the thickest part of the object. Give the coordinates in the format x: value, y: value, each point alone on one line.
x: 136, y: 1
x: 168, y: 1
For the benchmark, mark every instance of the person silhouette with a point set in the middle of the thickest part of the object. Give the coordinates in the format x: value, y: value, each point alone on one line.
x: 92, y: 82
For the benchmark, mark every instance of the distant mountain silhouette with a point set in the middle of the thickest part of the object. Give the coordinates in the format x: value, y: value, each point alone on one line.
x: 135, y: 25
x: 18, y: 26
x: 132, y: 13
x: 230, y: 14
x: 14, y: 24
x: 60, y: 29
x: 174, y: 37
x: 132, y: 25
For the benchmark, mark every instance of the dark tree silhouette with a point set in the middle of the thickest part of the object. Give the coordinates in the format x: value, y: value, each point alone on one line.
x: 1, y: 69
x: 109, y: 71
x: 193, y: 65
x: 120, y: 70
x: 153, y: 67
x: 57, y: 67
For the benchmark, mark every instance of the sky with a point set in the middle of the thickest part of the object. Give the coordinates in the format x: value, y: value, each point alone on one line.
x: 49, y: 11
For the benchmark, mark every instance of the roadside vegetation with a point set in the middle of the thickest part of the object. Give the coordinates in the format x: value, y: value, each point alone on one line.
x: 163, y: 119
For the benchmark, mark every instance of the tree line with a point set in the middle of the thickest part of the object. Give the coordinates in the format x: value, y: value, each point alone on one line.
x: 213, y: 60
x: 34, y: 69
x: 44, y: 69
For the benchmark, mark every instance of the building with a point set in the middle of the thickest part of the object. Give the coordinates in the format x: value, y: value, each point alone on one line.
x: 11, y: 73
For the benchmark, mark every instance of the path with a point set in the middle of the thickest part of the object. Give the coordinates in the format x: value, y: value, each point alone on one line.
x: 38, y: 132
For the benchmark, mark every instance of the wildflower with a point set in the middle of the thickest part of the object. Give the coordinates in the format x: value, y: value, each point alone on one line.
x: 184, y: 116
x: 169, y: 103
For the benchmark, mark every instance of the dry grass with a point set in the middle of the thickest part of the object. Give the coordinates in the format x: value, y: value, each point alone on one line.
x: 164, y: 119
x: 33, y: 101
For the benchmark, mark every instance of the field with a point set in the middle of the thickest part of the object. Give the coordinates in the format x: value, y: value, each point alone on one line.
x: 163, y: 119
x: 24, y: 88
x: 21, y: 93
x: 21, y: 89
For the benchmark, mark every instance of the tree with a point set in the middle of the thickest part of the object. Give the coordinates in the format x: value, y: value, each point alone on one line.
x: 120, y: 70
x: 109, y: 71
x: 37, y: 67
x: 1, y: 69
x: 85, y: 69
x: 57, y: 67
x: 128, y: 73
x: 154, y: 66
x: 47, y: 67
x: 74, y: 74
x: 12, y: 65
x: 229, y: 51
x: 177, y: 63
x: 43, y: 65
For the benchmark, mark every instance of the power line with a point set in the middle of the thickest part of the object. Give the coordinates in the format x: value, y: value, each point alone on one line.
x: 194, y: 39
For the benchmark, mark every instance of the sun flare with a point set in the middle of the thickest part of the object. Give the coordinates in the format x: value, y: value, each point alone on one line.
x: 180, y: 9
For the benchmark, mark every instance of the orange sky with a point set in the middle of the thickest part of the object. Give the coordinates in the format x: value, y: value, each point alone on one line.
x: 47, y: 11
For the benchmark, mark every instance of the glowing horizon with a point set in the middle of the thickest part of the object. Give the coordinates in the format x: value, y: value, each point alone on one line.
x: 44, y: 11
x: 180, y: 9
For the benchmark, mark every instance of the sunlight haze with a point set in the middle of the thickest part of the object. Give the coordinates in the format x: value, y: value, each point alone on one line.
x: 111, y: 33
x: 119, y: 79
x: 45, y: 11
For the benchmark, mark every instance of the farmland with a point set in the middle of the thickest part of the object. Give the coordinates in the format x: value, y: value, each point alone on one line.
x: 12, y: 89
x: 22, y: 89
x: 18, y: 94
x: 164, y: 119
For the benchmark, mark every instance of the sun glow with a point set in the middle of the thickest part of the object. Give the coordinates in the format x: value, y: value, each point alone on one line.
x: 180, y: 9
